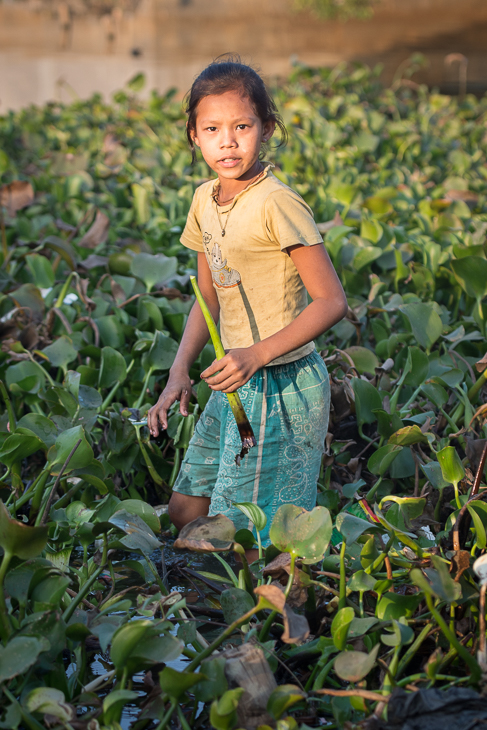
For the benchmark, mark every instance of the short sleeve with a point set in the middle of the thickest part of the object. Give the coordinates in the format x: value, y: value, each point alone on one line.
x: 191, y: 236
x: 289, y: 220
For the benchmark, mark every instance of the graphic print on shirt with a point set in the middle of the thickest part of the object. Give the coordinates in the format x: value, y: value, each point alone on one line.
x: 223, y: 275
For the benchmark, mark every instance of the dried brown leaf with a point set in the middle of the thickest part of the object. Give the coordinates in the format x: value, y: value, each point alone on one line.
x: 16, y: 195
x: 97, y: 233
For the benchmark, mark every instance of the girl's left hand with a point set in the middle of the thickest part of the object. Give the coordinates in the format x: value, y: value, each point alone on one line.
x: 233, y: 370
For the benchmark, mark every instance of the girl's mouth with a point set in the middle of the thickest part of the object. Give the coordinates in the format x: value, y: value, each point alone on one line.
x: 229, y: 161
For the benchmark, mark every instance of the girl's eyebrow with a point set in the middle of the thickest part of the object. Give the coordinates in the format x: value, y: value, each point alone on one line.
x: 238, y: 120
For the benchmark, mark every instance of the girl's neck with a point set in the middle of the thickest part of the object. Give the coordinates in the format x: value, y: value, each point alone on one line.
x: 230, y: 188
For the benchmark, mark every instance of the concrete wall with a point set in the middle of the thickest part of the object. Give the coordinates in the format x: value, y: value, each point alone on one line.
x: 54, y: 49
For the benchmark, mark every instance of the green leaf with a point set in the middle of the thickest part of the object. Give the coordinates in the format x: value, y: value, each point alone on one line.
x: 20, y: 653
x: 351, y: 527
x: 480, y: 534
x: 19, y: 445
x: 306, y: 534
x: 223, y: 712
x: 407, y: 436
x: 255, y: 514
x: 43, y: 427
x: 61, y: 352
x: 364, y: 359
x: 433, y: 472
x: 114, y: 703
x: 394, y: 606
x: 153, y: 268
x: 162, y: 352
x: 142, y: 206
x: 175, y: 683
x: 340, y: 626
x: 111, y: 331
x: 451, y: 465
x: 65, y: 442
x: 419, y: 366
x: 425, y: 322
x: 367, y: 399
x: 235, y: 602
x: 17, y: 538
x: 361, y: 581
x: 113, y: 368
x: 471, y: 274
x: 353, y: 666
x: 139, y: 535
x: 137, y: 82
x: 49, y: 701
x: 215, y: 683
x: 437, y: 582
x: 401, y: 634
x: 381, y: 460
x: 282, y: 698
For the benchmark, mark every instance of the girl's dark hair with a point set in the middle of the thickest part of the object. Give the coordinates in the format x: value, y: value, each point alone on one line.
x: 228, y: 73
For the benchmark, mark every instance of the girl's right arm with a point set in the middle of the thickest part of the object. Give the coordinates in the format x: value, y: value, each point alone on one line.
x: 194, y: 338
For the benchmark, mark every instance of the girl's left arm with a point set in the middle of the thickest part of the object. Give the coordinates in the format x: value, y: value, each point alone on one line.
x: 328, y: 307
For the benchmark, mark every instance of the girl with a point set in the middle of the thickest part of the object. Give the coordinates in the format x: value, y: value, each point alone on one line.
x: 259, y: 252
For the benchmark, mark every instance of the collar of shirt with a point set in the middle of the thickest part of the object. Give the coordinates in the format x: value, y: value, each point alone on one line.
x: 229, y: 206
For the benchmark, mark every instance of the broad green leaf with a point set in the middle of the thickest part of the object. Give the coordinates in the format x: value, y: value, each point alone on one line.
x: 17, y: 538
x: 451, y: 465
x: 162, y: 352
x: 19, y: 445
x: 364, y: 359
x: 381, y: 459
x: 153, y: 268
x: 65, y: 442
x: 111, y: 331
x: 367, y: 399
x: 471, y: 274
x: 306, y: 534
x: 235, y: 602
x: 49, y: 701
x: 407, y: 436
x: 114, y: 703
x: 43, y: 427
x: 175, y: 683
x: 394, y: 606
x: 113, y: 368
x: 361, y: 581
x: 223, y: 712
x: 138, y: 534
x: 433, y: 472
x: 61, y: 352
x: 282, y: 698
x: 425, y: 323
x: 340, y: 626
x: 142, y: 510
x: 20, y: 653
x: 215, y: 683
x: 255, y: 514
x: 353, y: 666
x: 351, y: 527
x: 419, y: 365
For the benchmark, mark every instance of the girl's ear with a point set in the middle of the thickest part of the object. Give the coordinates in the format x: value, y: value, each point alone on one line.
x: 268, y: 129
x: 192, y: 134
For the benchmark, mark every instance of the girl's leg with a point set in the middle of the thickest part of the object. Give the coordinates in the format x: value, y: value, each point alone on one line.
x: 195, y: 482
x: 183, y: 508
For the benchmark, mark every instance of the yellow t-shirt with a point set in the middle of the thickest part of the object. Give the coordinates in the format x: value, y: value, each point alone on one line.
x: 258, y: 286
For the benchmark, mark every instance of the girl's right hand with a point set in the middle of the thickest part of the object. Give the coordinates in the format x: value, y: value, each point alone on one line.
x: 178, y: 388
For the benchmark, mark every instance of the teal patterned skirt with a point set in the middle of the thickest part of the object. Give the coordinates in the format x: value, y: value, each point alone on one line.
x: 288, y: 408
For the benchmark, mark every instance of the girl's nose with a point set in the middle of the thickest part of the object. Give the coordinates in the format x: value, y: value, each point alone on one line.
x: 227, y: 139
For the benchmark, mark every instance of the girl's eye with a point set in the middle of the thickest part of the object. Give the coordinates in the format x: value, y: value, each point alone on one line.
x: 210, y: 129
x: 241, y: 126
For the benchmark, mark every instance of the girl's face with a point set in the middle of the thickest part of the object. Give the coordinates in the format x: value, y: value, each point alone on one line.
x: 229, y: 134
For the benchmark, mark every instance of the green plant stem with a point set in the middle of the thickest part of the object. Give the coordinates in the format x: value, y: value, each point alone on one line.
x: 454, y: 643
x: 111, y: 395
x: 290, y: 580
x: 5, y: 627
x: 184, y: 723
x: 163, y: 723
x: 371, y: 493
x: 342, y: 602
x: 405, y: 407
x: 238, y: 411
x: 83, y: 592
x: 44, y: 372
x: 144, y: 388
x: 320, y: 679
x: 8, y: 405
x: 228, y: 569
x: 477, y: 385
x: 38, y: 484
x: 224, y: 635
x: 64, y: 291
x: 156, y: 575
x: 413, y: 649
